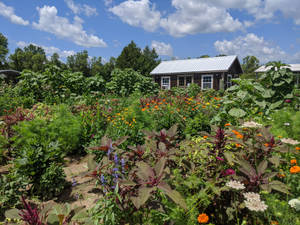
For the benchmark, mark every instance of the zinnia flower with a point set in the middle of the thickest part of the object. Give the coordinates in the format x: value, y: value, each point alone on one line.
x: 256, y: 205
x: 290, y: 141
x: 293, y: 161
x: 228, y: 172
x: 235, y: 185
x: 295, y: 169
x: 219, y: 158
x: 251, y: 124
x: 203, y: 218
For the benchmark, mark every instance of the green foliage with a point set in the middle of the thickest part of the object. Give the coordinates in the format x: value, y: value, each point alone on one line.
x: 125, y: 82
x: 286, y: 123
x: 79, y: 63
x: 250, y: 64
x: 3, y: 50
x: 199, y: 123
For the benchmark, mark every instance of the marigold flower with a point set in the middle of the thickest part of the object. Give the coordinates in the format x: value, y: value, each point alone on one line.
x: 266, y: 144
x: 238, y: 145
x: 293, y: 161
x: 203, y: 218
x: 235, y: 132
x: 297, y: 148
x: 295, y: 169
x: 227, y: 124
x: 205, y: 137
x: 259, y: 135
x: 240, y: 136
x: 143, y: 109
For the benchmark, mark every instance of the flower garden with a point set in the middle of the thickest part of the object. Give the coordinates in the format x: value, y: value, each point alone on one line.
x: 154, y: 157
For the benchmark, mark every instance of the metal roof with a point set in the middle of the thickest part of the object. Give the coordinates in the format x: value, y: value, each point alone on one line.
x: 213, y: 64
x: 293, y: 67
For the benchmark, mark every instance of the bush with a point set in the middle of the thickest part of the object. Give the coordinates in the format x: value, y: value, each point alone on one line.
x: 125, y: 82
x: 199, y: 123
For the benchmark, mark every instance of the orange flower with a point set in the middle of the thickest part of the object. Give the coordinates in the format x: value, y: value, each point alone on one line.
x: 273, y: 222
x: 266, y: 144
x: 295, y: 169
x: 156, y: 107
x: 280, y: 175
x: 240, y: 136
x: 205, y: 137
x: 203, y: 106
x: 227, y: 124
x: 260, y: 135
x: 143, y: 109
x: 297, y: 148
x: 203, y: 218
x: 293, y: 161
x: 238, y: 145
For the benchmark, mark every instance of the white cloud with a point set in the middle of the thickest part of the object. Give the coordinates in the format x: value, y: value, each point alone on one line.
x: 162, y: 48
x: 194, y: 16
x: 78, y: 8
x: 50, y: 22
x: 9, y: 13
x: 108, y: 2
x: 251, y: 44
x: 49, y: 50
x: 139, y: 13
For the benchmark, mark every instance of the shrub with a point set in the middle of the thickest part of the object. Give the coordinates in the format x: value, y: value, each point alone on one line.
x: 199, y: 123
x: 125, y: 82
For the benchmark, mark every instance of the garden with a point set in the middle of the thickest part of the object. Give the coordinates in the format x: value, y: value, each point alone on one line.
x: 80, y: 150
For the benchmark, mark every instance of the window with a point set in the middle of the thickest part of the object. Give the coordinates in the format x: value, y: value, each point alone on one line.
x: 184, y: 81
x: 207, y: 82
x: 229, y: 78
x: 165, y: 83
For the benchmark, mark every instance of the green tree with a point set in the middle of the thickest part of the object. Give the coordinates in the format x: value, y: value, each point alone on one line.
x: 149, y: 61
x: 250, y: 64
x: 130, y: 57
x: 3, y: 50
x: 108, y: 68
x: 32, y: 57
x: 55, y: 61
x: 96, y: 66
x: 79, y: 63
x: 204, y: 56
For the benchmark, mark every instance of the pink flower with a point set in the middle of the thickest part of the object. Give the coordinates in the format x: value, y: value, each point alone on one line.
x: 219, y: 158
x: 228, y: 172
x: 288, y: 100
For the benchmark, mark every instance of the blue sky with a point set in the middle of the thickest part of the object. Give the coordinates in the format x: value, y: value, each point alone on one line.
x: 268, y: 29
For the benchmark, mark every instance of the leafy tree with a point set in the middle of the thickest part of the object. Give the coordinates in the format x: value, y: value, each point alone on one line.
x: 96, y: 66
x: 3, y: 50
x: 130, y: 57
x: 31, y: 57
x: 55, y: 61
x: 150, y: 60
x: 204, y: 56
x: 79, y: 63
x: 250, y: 64
x: 108, y: 68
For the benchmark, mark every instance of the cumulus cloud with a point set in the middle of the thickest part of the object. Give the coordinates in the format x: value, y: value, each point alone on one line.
x: 108, y: 2
x: 49, y: 50
x: 251, y: 44
x: 138, y: 14
x: 162, y: 48
x: 9, y: 13
x: 194, y: 16
x: 50, y: 22
x: 78, y: 8
x: 202, y: 16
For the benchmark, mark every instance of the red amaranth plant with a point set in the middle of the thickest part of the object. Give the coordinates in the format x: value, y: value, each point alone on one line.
x: 29, y: 215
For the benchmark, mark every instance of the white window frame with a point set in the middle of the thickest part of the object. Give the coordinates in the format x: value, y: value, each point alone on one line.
x: 229, y: 83
x: 184, y: 76
x: 162, y: 85
x: 211, y: 83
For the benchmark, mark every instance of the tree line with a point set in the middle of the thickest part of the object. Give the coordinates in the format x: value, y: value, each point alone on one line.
x: 34, y: 58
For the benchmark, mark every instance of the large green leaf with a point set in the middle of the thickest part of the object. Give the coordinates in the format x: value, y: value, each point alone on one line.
x: 262, y: 167
x: 279, y: 186
x: 12, y: 214
x: 173, y: 194
x: 236, y: 112
x: 276, y: 104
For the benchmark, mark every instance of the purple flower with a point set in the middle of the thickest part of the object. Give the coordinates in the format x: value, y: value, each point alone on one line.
x: 288, y: 100
x: 123, y: 164
x: 228, y: 172
x: 102, y: 178
x: 116, y: 159
x: 219, y: 158
x: 74, y: 183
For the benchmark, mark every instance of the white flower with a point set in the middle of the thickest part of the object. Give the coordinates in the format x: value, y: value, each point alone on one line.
x: 251, y: 124
x: 290, y: 141
x: 256, y: 205
x: 295, y: 203
x: 286, y: 124
x: 235, y: 185
x: 251, y: 196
